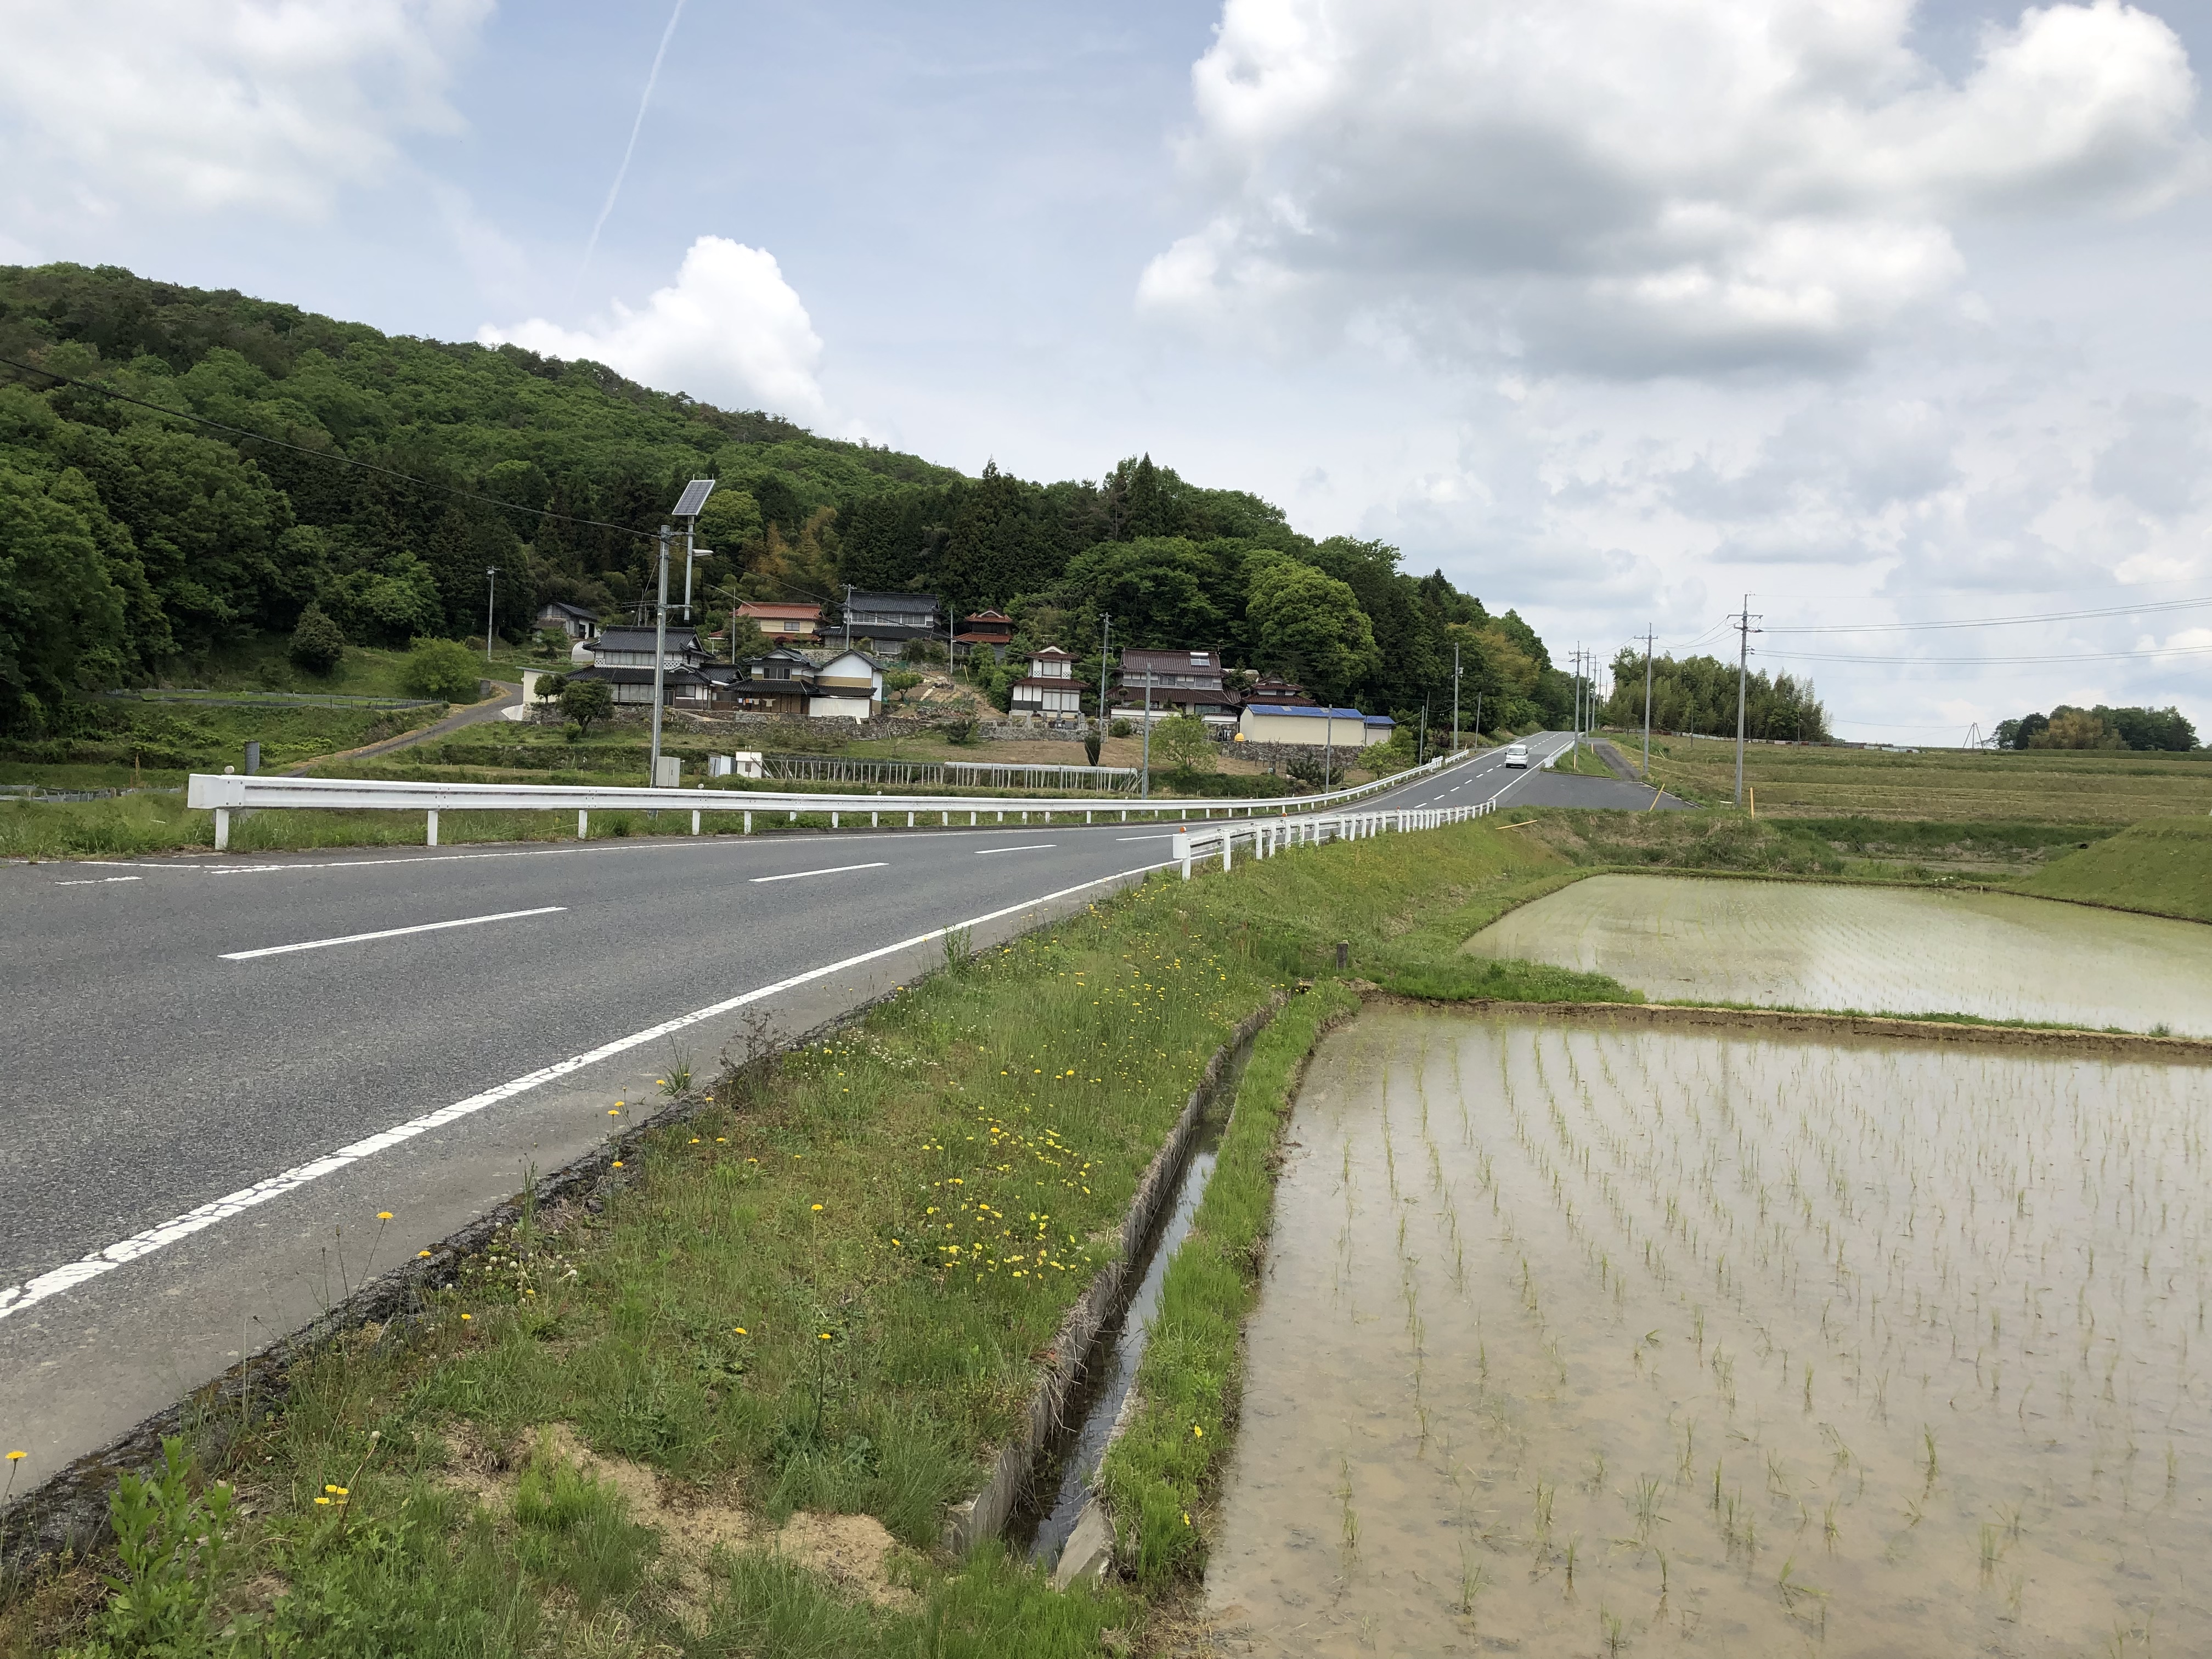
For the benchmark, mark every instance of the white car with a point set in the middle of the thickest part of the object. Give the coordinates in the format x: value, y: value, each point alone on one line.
x: 1517, y: 755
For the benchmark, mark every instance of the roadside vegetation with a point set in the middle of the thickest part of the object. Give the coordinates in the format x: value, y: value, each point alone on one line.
x: 825, y: 1293
x: 1160, y: 1478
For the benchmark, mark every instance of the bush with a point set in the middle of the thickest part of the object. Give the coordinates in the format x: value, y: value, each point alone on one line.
x: 1122, y: 729
x: 1182, y: 742
x: 1092, y: 742
x: 444, y: 669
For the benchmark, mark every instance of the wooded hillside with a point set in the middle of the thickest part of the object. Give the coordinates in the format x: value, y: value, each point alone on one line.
x: 386, y: 473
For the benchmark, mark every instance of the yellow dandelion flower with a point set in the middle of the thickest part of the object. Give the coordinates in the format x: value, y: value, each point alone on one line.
x: 619, y: 1164
x: 384, y: 1215
x: 1197, y: 1433
x: 17, y: 1456
x: 465, y: 1317
x: 322, y: 1500
x: 741, y: 1330
x: 421, y: 1254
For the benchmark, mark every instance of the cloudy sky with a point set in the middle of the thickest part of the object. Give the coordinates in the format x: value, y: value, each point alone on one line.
x: 1613, y: 309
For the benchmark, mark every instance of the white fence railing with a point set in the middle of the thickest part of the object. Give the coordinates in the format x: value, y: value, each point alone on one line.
x: 1268, y: 836
x: 229, y: 792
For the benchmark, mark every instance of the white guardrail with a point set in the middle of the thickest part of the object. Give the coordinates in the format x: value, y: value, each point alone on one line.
x: 1268, y: 836
x: 227, y: 792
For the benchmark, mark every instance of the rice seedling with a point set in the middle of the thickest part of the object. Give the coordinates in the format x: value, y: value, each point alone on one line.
x: 1912, y: 1284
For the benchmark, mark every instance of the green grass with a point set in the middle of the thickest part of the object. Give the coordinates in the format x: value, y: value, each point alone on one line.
x: 2163, y: 866
x: 2033, y: 786
x: 829, y: 1291
x: 1159, y: 1477
x: 175, y: 738
x: 1883, y: 849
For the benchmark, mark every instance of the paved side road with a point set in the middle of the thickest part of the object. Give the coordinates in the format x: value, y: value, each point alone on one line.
x: 223, y: 1069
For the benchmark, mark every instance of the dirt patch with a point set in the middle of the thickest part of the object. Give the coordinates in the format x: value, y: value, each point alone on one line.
x: 853, y: 1552
x: 690, y: 1523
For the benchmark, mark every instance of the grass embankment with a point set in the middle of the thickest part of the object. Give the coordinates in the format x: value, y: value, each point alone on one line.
x: 2032, y: 786
x: 1871, y: 849
x: 2163, y: 866
x: 828, y: 1292
x: 1158, y: 1479
x: 156, y: 743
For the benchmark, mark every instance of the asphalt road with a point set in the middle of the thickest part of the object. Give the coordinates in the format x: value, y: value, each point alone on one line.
x: 178, y: 1080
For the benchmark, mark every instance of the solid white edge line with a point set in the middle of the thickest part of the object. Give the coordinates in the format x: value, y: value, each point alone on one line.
x: 1029, y: 846
x: 386, y: 932
x: 14, y: 1299
x: 834, y: 870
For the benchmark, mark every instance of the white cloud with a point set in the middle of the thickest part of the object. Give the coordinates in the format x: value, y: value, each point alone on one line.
x: 207, y: 104
x: 1634, y: 187
x: 729, y: 331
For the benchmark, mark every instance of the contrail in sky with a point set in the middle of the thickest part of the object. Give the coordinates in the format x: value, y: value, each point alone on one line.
x: 629, y: 149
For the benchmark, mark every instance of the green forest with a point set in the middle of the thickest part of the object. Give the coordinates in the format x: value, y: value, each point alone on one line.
x: 364, y: 482
x: 1698, y: 695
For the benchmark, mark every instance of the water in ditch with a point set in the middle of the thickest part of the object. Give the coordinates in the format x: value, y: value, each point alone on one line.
x: 1063, y: 1486
x: 1584, y: 1340
x: 1879, y: 950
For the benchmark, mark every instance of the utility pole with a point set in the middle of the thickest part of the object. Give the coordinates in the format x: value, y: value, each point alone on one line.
x: 1421, y: 744
x: 1145, y: 778
x: 1574, y: 735
x: 1328, y: 747
x: 1105, y: 635
x: 660, y: 658
x: 1742, y: 664
x: 848, y: 616
x: 491, y: 604
x: 1478, y: 714
x: 1647, y: 704
x: 1478, y: 724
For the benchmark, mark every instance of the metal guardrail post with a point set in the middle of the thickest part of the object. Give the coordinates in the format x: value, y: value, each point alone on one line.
x: 433, y: 837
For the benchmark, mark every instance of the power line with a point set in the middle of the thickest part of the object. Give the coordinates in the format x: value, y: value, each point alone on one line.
x: 2147, y: 608
x: 325, y: 454
x: 2084, y: 656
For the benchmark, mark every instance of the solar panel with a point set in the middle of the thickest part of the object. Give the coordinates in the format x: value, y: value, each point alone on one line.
x: 694, y: 497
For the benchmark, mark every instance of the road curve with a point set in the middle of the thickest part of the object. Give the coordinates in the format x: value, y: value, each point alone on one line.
x: 191, y: 1040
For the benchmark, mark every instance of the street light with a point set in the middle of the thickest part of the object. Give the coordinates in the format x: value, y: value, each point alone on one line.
x: 689, y: 506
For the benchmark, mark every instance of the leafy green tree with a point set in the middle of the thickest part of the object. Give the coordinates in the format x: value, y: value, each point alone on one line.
x: 62, y: 615
x: 317, y: 643
x: 1161, y: 591
x: 2076, y: 728
x: 444, y: 669
x: 583, y: 701
x: 1182, y: 742
x: 1308, y: 626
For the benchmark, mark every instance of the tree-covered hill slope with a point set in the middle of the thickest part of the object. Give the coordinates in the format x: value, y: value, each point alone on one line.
x: 376, y: 478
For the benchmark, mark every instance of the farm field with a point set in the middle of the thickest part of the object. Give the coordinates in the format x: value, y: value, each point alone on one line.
x: 1873, y: 950
x: 1590, y: 1340
x: 2048, y: 786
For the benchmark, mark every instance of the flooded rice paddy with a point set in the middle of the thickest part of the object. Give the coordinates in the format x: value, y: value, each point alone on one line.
x: 1579, y: 1340
x: 1874, y: 949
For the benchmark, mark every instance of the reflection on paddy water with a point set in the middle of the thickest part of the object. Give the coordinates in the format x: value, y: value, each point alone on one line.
x: 1580, y: 1339
x: 1874, y: 949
